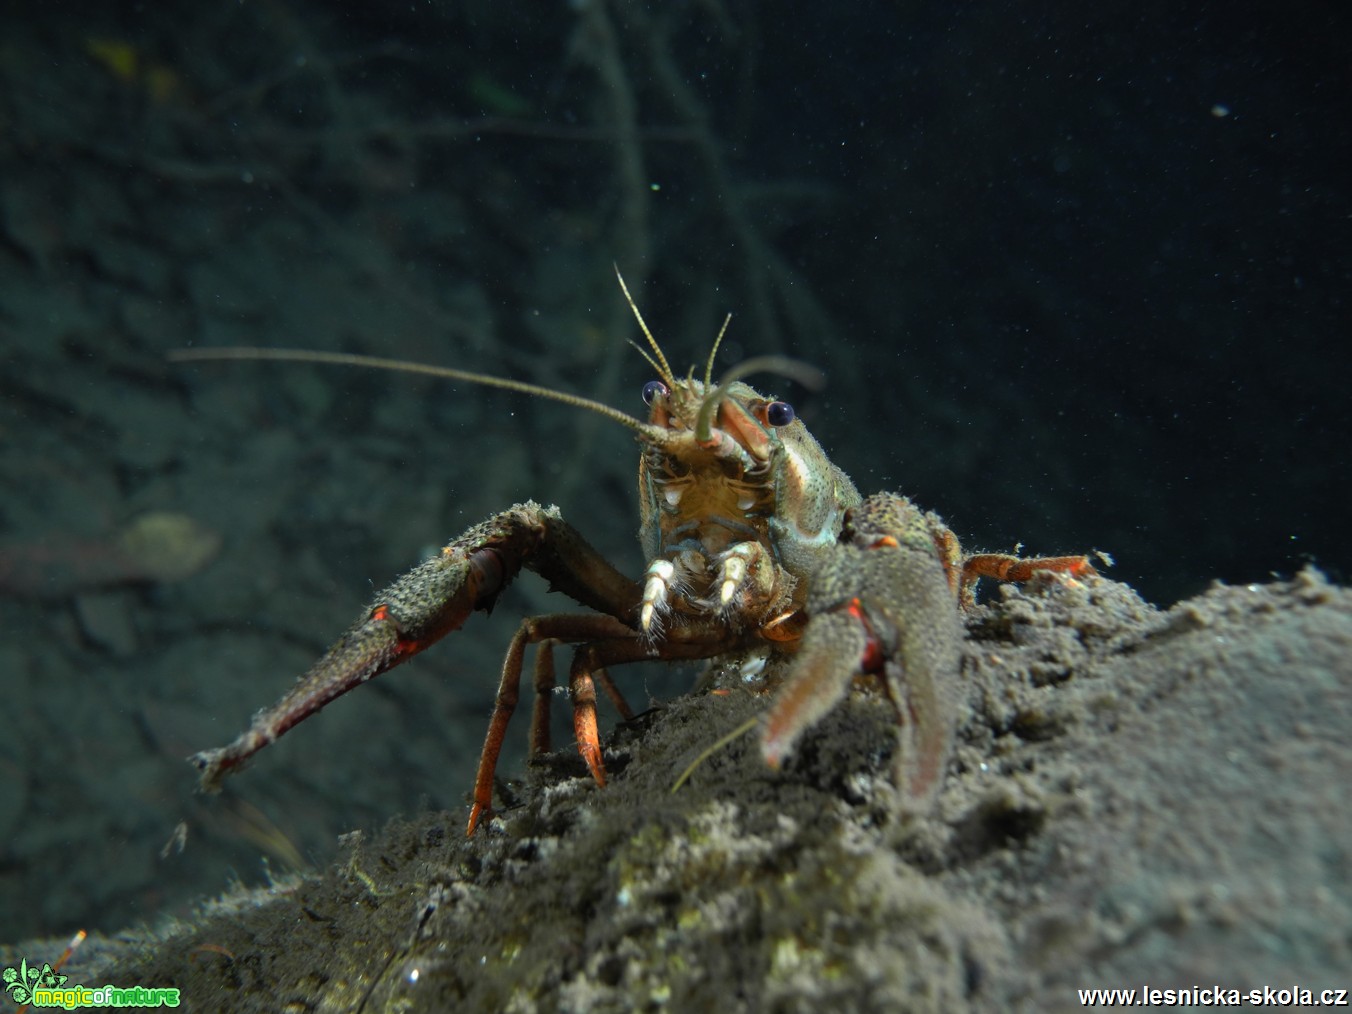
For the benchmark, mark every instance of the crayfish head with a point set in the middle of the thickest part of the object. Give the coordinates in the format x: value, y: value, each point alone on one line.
x: 723, y: 463
x: 689, y: 419
x: 756, y: 474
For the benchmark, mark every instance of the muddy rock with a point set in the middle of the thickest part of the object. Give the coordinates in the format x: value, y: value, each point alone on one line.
x: 1138, y: 798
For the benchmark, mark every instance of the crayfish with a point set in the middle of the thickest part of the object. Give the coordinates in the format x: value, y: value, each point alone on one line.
x: 756, y: 542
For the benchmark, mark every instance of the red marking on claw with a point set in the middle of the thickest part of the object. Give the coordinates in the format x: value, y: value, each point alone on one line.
x: 872, y: 657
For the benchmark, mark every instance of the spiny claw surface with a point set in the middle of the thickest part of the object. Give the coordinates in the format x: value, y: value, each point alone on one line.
x: 881, y: 604
x: 421, y: 607
x: 889, y: 602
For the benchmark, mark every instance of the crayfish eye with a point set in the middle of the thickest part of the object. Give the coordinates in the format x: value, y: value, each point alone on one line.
x: 779, y: 413
x: 653, y: 390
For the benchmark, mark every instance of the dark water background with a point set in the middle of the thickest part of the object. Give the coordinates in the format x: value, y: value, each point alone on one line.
x: 1079, y: 275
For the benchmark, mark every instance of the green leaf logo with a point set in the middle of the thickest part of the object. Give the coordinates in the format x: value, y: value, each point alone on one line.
x: 20, y: 982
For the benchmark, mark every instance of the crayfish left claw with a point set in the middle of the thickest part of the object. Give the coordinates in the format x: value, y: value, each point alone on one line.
x: 815, y: 684
x: 882, y: 605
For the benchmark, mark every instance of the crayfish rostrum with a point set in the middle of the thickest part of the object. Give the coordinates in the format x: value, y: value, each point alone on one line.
x: 756, y: 541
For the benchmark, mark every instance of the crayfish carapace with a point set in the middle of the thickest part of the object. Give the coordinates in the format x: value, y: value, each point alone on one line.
x: 755, y: 540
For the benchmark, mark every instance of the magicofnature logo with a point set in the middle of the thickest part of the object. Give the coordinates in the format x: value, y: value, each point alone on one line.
x: 22, y: 981
x: 29, y: 985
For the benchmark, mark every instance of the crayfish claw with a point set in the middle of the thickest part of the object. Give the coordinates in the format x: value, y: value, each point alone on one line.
x: 881, y: 605
x: 815, y: 685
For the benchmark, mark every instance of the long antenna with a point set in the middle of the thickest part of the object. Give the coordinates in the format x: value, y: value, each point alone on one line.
x: 250, y: 354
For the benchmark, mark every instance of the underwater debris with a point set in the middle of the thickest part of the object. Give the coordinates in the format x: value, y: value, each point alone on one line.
x: 160, y: 546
